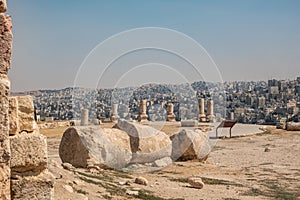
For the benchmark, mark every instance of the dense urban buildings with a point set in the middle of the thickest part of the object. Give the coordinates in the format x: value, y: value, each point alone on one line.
x: 255, y: 102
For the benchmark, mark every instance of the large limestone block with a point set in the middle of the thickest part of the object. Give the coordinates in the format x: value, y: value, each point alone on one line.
x: 147, y: 144
x: 13, y: 116
x: 85, y: 145
x: 3, y: 6
x: 33, y: 187
x: 293, y: 126
x: 28, y: 153
x: 5, y: 42
x: 190, y: 145
x: 26, y: 114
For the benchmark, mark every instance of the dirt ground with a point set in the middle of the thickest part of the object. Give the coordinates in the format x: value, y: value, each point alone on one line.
x: 264, y: 166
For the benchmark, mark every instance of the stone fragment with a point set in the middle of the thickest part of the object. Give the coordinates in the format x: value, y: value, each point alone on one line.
x: 141, y: 181
x: 190, y: 145
x: 130, y: 192
x: 147, y: 144
x: 33, y: 187
x: 67, y: 166
x: 68, y: 188
x: 162, y: 162
x: 189, y: 123
x: 3, y: 6
x: 5, y: 42
x: 28, y: 153
x: 92, y: 145
x: 196, y: 182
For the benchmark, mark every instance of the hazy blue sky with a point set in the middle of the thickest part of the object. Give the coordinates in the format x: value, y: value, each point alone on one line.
x: 247, y: 39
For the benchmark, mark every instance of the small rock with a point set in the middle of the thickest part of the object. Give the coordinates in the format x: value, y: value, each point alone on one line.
x: 68, y: 188
x: 94, y: 167
x: 130, y: 192
x: 123, y: 183
x: 67, y: 166
x: 196, y: 182
x: 141, y: 180
x: 78, y: 182
x: 162, y: 162
x: 267, y: 149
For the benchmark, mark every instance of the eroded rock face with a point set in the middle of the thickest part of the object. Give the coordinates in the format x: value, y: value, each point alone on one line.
x: 91, y: 145
x: 147, y: 144
x: 190, y: 145
x: 28, y: 153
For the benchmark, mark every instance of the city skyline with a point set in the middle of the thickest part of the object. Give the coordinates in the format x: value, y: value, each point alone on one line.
x: 249, y: 40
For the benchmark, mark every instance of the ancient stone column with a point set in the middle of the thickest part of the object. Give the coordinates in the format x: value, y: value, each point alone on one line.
x: 232, y: 116
x: 210, y: 110
x: 170, y: 113
x: 143, y: 109
x: 5, y: 59
x: 202, y: 116
x: 84, y: 117
x: 114, y: 116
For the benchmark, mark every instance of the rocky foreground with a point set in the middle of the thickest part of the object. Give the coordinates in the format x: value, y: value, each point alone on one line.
x: 264, y: 166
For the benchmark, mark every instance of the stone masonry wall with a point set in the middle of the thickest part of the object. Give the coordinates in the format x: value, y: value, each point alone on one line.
x: 23, y: 150
x: 5, y: 56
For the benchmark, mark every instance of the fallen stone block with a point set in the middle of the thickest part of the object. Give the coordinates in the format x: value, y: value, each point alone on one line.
x: 293, y: 126
x: 33, y: 187
x: 28, y: 153
x: 147, y: 144
x: 189, y: 123
x: 91, y: 145
x: 190, y: 145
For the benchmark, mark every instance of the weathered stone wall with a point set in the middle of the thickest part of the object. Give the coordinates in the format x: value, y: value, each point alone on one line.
x: 5, y: 56
x: 30, y: 178
x: 23, y: 155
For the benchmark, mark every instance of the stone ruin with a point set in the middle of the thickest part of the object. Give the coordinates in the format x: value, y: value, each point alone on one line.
x: 23, y: 150
x: 131, y: 146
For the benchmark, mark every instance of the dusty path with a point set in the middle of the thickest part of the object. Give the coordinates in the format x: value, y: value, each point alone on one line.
x: 265, y: 166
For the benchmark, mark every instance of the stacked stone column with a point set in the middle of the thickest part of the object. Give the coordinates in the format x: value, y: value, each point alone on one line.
x: 143, y: 117
x: 5, y: 57
x: 114, y: 116
x: 84, y: 118
x: 210, y: 110
x: 202, y: 116
x: 170, y: 114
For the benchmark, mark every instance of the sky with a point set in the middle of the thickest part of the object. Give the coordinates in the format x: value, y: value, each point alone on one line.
x: 245, y: 39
